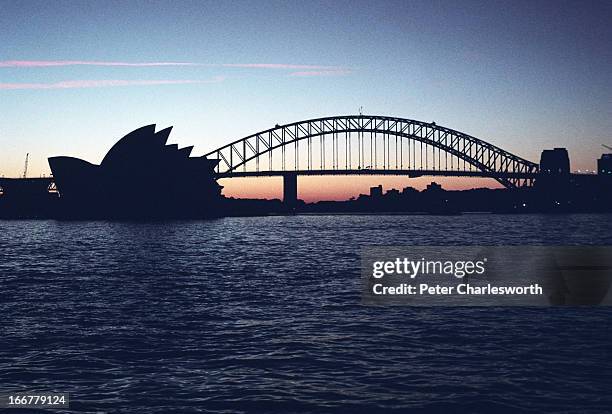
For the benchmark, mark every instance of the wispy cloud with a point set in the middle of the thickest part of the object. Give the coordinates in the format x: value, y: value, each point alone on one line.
x: 50, y: 63
x: 294, y: 69
x: 311, y: 73
x: 78, y: 84
x: 54, y: 63
x: 285, y: 66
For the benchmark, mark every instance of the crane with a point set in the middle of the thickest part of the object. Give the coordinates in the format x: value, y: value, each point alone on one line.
x: 605, y: 146
x: 25, y: 168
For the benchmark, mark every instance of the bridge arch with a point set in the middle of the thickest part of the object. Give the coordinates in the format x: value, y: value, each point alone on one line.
x: 487, y: 159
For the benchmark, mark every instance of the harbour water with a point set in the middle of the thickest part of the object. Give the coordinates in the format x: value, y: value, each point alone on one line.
x: 264, y: 314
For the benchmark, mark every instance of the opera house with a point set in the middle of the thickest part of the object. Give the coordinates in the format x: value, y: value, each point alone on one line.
x: 140, y: 177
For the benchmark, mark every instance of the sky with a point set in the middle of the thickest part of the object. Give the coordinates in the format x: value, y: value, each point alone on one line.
x: 75, y: 76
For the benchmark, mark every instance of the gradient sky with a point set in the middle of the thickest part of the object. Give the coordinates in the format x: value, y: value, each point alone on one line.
x: 524, y: 75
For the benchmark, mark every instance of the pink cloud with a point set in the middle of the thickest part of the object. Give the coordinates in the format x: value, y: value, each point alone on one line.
x: 310, y: 73
x: 76, y: 84
x: 278, y: 66
x: 298, y: 71
x: 49, y: 63
x: 52, y: 63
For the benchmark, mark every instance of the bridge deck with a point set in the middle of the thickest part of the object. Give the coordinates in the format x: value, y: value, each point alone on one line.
x: 367, y: 171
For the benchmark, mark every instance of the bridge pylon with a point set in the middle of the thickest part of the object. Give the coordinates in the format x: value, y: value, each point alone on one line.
x: 290, y: 190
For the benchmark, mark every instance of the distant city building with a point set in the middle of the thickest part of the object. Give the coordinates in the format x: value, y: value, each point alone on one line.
x: 434, y: 187
x: 555, y: 161
x: 604, y: 164
x: 393, y: 192
x: 376, y: 191
x: 409, y: 191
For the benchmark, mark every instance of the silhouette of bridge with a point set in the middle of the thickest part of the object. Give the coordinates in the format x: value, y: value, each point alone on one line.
x: 368, y: 145
x: 355, y: 145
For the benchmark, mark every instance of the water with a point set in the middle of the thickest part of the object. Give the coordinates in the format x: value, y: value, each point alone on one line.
x: 263, y: 314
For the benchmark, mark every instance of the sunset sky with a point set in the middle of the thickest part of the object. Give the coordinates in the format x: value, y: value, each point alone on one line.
x: 75, y: 76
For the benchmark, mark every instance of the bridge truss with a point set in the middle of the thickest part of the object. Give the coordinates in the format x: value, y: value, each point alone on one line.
x: 370, y: 145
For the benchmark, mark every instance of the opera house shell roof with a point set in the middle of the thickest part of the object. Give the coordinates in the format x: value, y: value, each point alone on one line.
x: 140, y: 177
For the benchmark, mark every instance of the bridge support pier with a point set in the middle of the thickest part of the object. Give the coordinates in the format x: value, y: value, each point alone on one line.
x: 290, y: 190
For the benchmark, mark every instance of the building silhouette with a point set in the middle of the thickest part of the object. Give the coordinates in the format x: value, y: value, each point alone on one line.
x: 555, y: 161
x: 140, y: 177
x: 26, y: 198
x: 376, y: 191
x: 604, y: 165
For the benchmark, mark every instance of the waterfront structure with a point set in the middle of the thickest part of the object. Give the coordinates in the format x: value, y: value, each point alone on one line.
x: 604, y: 165
x: 140, y: 177
x: 368, y: 145
x: 143, y: 177
x: 26, y: 197
x: 555, y: 161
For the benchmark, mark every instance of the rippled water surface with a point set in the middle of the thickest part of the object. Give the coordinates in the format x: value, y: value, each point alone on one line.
x: 263, y: 314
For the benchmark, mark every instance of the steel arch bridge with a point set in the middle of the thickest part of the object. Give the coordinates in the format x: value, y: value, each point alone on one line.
x: 370, y: 145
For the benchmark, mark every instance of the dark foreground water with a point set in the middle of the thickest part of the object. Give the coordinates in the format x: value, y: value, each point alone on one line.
x: 263, y: 314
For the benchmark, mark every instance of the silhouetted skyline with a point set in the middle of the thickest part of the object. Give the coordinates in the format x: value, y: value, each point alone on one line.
x: 522, y: 75
x: 142, y: 177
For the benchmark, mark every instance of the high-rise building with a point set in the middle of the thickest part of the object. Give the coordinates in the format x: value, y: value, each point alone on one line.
x: 555, y: 161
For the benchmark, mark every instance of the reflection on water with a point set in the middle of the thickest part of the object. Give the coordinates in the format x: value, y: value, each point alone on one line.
x: 263, y: 314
